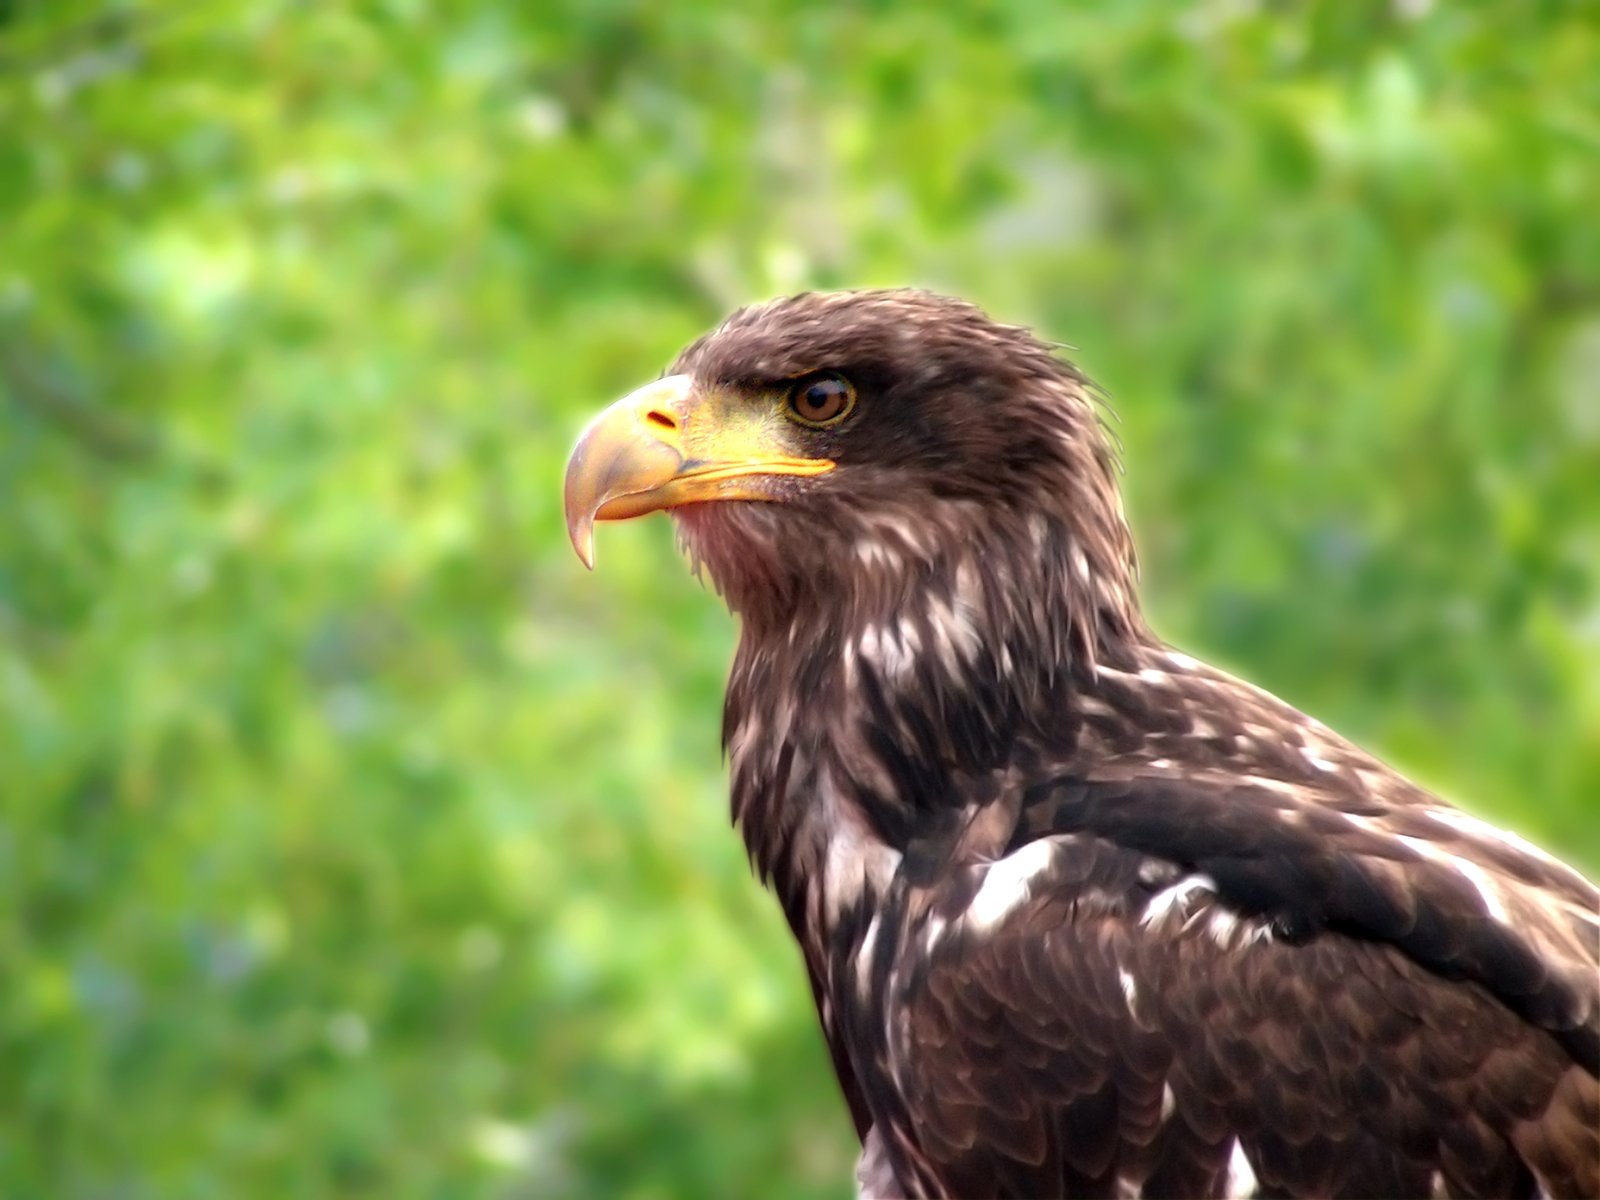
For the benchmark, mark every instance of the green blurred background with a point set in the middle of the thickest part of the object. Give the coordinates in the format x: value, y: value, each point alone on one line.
x: 354, y: 841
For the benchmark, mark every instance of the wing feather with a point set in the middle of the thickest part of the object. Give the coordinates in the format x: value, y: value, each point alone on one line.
x: 1341, y: 1007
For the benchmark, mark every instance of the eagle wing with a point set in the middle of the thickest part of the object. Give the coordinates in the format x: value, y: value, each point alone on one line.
x: 1199, y: 987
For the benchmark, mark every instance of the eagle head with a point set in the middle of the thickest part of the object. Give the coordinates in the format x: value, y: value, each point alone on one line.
x: 830, y: 453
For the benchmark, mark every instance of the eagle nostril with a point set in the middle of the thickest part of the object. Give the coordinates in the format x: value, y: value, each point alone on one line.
x: 662, y: 420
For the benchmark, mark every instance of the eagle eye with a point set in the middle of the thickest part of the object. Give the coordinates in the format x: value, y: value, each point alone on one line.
x: 821, y: 400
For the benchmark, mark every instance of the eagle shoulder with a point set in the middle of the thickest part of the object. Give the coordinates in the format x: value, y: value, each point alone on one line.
x: 1185, y: 940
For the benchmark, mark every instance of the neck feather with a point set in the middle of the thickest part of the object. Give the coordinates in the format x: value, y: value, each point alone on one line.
x: 852, y: 724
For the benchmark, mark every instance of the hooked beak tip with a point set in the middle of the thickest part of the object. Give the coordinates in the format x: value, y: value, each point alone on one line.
x: 581, y: 512
x: 624, y: 454
x: 582, y: 535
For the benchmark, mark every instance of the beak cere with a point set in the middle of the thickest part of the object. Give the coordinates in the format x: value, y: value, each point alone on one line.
x: 669, y: 444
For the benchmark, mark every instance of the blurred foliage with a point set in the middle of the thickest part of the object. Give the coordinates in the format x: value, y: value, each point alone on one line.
x: 354, y: 841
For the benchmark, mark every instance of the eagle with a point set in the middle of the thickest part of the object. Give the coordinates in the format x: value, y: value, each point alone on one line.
x: 1082, y: 915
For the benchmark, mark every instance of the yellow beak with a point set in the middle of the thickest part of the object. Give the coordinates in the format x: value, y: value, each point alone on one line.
x: 669, y: 444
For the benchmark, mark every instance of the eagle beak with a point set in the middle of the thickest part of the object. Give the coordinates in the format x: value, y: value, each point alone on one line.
x: 669, y: 444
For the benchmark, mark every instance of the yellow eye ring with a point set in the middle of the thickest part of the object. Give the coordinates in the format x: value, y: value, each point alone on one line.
x: 821, y: 401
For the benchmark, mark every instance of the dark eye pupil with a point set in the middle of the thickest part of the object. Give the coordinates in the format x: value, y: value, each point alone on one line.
x: 820, y: 396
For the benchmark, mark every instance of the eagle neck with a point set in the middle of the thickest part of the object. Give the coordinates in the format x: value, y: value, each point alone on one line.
x: 880, y: 711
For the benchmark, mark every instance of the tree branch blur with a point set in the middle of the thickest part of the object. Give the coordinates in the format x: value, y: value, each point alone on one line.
x: 30, y: 386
